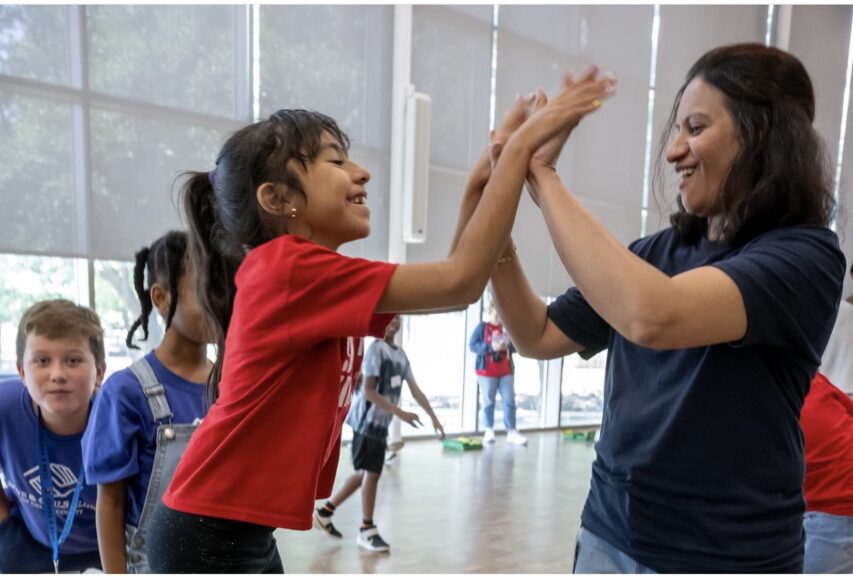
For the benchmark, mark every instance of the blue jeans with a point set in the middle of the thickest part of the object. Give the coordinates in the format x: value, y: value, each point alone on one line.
x: 490, y: 386
x: 595, y: 556
x: 829, y: 543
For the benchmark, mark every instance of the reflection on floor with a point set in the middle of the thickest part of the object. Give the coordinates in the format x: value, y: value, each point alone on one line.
x: 503, y: 509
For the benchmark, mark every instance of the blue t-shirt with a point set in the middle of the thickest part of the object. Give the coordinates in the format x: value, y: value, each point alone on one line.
x: 390, y: 366
x: 700, y: 463
x: 121, y: 439
x: 20, y: 465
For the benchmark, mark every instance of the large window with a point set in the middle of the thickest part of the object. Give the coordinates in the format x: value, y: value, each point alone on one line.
x: 582, y: 392
x: 436, y: 345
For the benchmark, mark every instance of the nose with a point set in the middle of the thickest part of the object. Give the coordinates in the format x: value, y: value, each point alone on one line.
x: 677, y: 149
x: 361, y: 175
x: 57, y: 372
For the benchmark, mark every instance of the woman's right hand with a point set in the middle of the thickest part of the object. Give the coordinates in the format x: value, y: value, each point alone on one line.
x: 560, y: 115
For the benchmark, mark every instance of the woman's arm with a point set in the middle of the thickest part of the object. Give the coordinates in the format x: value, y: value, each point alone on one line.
x: 696, y: 308
x: 461, y: 278
x: 525, y: 315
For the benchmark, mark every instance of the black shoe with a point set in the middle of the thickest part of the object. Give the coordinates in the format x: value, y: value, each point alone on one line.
x: 325, y: 524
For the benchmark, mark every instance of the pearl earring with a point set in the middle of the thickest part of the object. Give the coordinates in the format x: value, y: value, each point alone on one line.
x: 293, y: 212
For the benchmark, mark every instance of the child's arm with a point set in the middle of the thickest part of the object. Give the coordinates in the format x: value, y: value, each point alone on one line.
x: 109, y: 519
x: 423, y: 402
x: 461, y: 278
x: 4, y: 506
x: 379, y: 400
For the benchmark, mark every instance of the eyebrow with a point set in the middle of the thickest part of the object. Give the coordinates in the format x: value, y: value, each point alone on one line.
x: 334, y: 146
x: 48, y: 352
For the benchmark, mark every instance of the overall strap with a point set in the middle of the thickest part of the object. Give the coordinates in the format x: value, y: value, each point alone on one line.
x: 153, y: 390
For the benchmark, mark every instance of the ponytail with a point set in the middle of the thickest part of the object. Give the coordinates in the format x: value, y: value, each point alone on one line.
x: 214, y: 263
x: 144, y: 298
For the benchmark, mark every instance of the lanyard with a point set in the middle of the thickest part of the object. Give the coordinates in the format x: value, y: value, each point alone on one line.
x: 48, y: 497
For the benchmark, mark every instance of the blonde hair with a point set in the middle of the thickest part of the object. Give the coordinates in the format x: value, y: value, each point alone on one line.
x: 61, y: 319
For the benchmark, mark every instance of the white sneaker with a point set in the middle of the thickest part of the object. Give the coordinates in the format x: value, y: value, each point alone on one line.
x: 489, y: 436
x: 515, y: 437
x: 371, y: 540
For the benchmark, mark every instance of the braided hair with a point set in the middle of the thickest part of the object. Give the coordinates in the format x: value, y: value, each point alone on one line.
x: 164, y: 261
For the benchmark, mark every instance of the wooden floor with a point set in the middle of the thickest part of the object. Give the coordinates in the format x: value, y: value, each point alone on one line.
x: 503, y: 509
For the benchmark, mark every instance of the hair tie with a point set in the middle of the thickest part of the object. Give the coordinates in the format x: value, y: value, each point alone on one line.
x: 211, y: 177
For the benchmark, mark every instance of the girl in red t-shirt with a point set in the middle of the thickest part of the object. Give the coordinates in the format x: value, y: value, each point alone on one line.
x: 288, y: 313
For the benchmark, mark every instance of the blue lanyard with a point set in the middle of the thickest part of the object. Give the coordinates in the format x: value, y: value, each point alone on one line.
x: 48, y: 497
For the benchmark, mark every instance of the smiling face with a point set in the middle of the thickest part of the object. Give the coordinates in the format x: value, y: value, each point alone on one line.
x: 334, y: 210
x: 704, y: 147
x: 61, y: 375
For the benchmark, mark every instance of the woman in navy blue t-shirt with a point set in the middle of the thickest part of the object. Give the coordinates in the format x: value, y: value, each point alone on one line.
x: 714, y: 326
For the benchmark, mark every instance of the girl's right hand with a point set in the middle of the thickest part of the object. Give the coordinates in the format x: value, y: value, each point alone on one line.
x: 561, y: 114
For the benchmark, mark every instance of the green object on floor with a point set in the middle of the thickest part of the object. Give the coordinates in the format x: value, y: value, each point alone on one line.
x: 462, y: 444
x: 585, y: 435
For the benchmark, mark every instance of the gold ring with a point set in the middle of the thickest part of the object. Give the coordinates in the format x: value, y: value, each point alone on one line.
x: 596, y: 102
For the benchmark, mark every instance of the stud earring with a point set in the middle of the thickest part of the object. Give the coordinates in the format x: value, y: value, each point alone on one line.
x: 292, y: 213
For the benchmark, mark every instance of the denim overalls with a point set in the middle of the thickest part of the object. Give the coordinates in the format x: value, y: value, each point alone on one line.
x: 172, y: 440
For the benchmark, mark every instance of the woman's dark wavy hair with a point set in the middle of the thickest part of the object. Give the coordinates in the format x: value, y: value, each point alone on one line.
x: 781, y: 175
x: 164, y: 262
x: 223, y: 216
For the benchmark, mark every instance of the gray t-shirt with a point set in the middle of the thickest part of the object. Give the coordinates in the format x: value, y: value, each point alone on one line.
x: 390, y: 366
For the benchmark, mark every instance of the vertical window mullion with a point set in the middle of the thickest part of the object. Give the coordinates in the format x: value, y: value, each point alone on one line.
x: 81, y: 148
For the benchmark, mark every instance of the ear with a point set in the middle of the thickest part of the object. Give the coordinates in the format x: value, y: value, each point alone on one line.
x: 21, y: 374
x: 160, y: 298
x: 100, y: 371
x: 273, y: 198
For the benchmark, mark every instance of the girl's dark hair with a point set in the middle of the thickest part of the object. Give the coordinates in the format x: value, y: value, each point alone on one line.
x: 781, y: 175
x: 164, y: 261
x: 222, y: 211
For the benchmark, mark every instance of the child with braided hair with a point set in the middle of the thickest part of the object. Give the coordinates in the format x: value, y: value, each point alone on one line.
x: 144, y: 416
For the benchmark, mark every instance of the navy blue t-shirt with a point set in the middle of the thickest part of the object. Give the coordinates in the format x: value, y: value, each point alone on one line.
x: 121, y: 438
x: 700, y: 463
x: 20, y: 466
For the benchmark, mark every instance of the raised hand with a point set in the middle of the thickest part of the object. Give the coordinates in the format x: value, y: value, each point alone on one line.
x: 547, y: 155
x: 513, y: 119
x: 562, y: 113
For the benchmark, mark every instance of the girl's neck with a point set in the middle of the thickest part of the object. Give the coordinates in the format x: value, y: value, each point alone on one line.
x: 67, y: 425
x: 184, y: 357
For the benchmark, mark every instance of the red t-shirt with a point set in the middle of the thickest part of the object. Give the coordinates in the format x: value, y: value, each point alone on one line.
x: 269, y: 445
x: 497, y: 363
x: 827, y: 422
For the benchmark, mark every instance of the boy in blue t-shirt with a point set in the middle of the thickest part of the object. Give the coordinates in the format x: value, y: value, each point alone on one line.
x: 385, y: 368
x: 60, y: 357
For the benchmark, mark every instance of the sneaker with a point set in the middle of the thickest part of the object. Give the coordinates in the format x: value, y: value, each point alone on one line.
x: 325, y: 524
x: 515, y: 437
x: 370, y: 539
x: 489, y: 436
